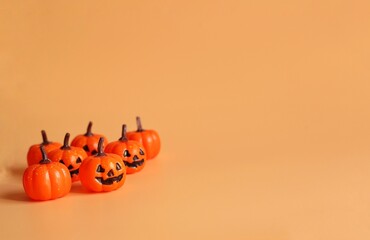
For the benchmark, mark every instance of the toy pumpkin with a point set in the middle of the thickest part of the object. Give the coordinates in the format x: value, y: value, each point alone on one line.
x: 88, y: 141
x: 34, y: 154
x: 102, y: 172
x: 132, y: 152
x: 71, y: 157
x: 148, y: 138
x: 46, y: 180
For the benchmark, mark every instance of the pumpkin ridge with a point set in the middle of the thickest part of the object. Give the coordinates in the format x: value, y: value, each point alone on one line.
x: 38, y: 190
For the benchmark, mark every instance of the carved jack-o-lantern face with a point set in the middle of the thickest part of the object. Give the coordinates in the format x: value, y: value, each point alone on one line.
x: 109, y: 172
x: 134, y: 157
x: 73, y: 165
x: 71, y: 157
x: 132, y: 152
x: 88, y: 141
x: 102, y: 172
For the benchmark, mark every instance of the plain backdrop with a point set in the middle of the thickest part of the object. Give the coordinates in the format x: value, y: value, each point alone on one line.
x: 263, y: 108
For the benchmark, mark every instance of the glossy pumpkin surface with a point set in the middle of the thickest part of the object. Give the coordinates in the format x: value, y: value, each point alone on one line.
x: 46, y: 180
x: 148, y: 138
x: 89, y: 141
x: 102, y: 172
x: 132, y: 152
x: 34, y: 155
x: 71, y: 157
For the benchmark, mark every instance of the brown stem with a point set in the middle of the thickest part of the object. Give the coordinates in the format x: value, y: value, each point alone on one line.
x: 66, y: 142
x: 45, y: 159
x: 100, y: 147
x: 45, y: 140
x: 124, y: 133
x: 139, y: 126
x: 88, y: 131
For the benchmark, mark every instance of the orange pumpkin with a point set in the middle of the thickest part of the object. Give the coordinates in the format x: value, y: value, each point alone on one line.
x: 103, y: 172
x: 148, y: 138
x: 46, y: 180
x: 71, y: 157
x: 88, y: 141
x: 34, y: 154
x: 132, y: 152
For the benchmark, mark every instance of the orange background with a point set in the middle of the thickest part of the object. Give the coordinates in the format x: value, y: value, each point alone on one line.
x: 263, y: 108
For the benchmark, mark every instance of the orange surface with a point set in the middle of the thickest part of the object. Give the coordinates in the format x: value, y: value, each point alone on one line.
x: 263, y: 109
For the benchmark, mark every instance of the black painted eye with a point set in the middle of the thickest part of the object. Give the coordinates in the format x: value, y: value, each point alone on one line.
x: 62, y: 162
x: 141, y: 152
x: 111, y: 173
x: 118, y: 166
x: 70, y: 167
x: 126, y: 154
x: 100, y: 169
x: 86, y: 148
x: 93, y: 152
x: 78, y: 160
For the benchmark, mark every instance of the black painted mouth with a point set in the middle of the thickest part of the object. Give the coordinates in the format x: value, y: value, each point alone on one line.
x: 109, y: 181
x: 134, y: 164
x: 74, y: 172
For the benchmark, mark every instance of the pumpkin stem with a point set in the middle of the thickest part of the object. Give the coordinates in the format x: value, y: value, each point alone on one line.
x: 139, y: 126
x: 66, y: 142
x: 45, y: 140
x: 45, y: 159
x: 88, y: 131
x: 124, y: 133
x: 100, y: 148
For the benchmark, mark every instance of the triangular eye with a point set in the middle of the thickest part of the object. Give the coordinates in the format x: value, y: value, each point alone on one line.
x: 86, y: 148
x: 126, y: 154
x: 100, y: 169
x: 93, y: 152
x: 118, y: 166
x: 62, y: 162
x: 142, y: 152
x: 78, y: 160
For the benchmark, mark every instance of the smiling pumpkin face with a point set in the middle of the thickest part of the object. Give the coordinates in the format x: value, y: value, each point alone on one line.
x: 132, y: 152
x: 71, y: 157
x: 73, y: 161
x: 103, y: 172
x: 88, y: 141
x: 134, y: 157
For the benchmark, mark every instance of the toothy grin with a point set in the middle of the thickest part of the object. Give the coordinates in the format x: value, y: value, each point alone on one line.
x: 109, y: 181
x: 134, y: 164
x: 74, y: 172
